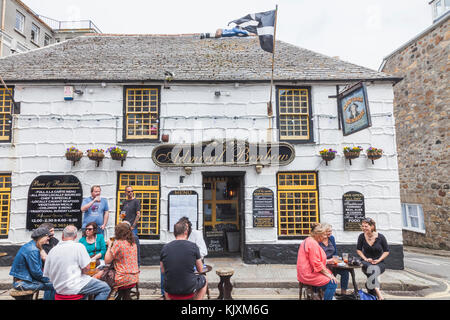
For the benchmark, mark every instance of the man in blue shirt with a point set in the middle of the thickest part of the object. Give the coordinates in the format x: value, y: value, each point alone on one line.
x: 95, y: 209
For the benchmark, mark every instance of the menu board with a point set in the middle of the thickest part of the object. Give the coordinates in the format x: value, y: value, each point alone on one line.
x: 215, y: 241
x: 263, y: 208
x: 353, y: 209
x: 54, y: 199
x: 183, y: 203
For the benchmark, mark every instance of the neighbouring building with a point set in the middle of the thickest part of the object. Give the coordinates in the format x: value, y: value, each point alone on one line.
x: 23, y: 30
x: 201, y: 140
x: 421, y: 107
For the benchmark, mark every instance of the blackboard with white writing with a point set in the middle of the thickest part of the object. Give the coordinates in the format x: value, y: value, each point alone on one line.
x: 215, y: 241
x: 353, y: 209
x: 54, y: 199
x: 263, y: 208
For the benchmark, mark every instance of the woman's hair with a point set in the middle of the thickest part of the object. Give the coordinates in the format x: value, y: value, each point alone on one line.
x: 317, y: 229
x: 327, y: 226
x: 48, y: 225
x: 94, y: 225
x: 123, y: 232
x: 370, y: 222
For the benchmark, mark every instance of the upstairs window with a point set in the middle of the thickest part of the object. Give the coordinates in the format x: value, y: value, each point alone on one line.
x: 35, y: 33
x: 20, y: 22
x: 46, y: 40
x: 6, y: 106
x: 294, y: 114
x: 141, y: 113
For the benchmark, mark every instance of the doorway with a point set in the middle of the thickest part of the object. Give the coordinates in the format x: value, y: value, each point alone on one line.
x: 223, y: 213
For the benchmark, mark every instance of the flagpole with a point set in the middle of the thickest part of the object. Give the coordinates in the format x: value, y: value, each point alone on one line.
x: 270, y: 109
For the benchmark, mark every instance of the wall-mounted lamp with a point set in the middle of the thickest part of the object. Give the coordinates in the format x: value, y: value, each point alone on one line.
x: 80, y: 92
x: 188, y: 170
x: 217, y: 94
x: 258, y: 168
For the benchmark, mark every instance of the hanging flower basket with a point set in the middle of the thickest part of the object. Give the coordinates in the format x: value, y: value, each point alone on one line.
x: 74, y: 155
x: 352, y: 153
x: 118, y: 154
x: 328, y: 155
x: 96, y: 155
x: 374, y: 153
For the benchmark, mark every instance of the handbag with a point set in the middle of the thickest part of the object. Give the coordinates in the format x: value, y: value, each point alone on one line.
x: 109, y: 275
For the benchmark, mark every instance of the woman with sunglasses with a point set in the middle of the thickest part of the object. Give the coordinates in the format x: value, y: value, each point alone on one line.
x: 373, y: 248
x: 94, y: 242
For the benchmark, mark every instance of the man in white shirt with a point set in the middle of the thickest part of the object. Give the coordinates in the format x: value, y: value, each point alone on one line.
x: 67, y: 266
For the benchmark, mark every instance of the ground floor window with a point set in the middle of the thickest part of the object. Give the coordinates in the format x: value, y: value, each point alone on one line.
x: 298, y: 205
x: 5, y: 204
x: 146, y: 188
x: 413, y: 219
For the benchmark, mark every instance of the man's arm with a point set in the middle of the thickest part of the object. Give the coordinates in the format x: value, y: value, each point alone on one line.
x: 138, y: 215
x: 105, y: 220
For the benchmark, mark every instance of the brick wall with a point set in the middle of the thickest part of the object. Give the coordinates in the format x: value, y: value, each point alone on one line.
x: 421, y: 106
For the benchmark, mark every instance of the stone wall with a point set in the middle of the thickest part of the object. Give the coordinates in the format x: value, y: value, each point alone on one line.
x: 421, y: 106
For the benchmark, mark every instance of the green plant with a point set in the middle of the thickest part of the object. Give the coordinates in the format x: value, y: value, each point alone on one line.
x: 353, y: 149
x: 117, y: 150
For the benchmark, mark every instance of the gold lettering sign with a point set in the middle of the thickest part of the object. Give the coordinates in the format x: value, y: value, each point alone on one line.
x: 225, y: 153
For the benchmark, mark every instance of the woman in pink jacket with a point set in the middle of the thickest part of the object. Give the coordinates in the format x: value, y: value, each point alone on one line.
x: 312, y: 261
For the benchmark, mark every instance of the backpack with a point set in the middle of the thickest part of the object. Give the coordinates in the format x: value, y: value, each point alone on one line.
x: 366, y: 296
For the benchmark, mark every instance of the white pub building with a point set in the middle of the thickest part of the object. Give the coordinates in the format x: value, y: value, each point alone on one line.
x: 201, y: 141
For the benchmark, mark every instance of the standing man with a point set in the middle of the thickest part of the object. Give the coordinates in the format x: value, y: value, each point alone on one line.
x: 95, y: 209
x: 131, y: 208
x: 67, y: 266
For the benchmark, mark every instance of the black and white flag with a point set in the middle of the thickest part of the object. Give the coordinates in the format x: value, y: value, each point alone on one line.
x: 262, y: 24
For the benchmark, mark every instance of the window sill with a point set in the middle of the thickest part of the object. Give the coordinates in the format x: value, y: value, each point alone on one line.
x: 35, y: 43
x: 414, y: 230
x: 20, y: 32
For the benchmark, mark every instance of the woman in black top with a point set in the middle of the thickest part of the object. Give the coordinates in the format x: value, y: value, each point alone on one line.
x: 373, y: 248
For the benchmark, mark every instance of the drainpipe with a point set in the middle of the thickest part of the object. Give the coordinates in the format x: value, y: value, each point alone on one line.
x: 3, y: 27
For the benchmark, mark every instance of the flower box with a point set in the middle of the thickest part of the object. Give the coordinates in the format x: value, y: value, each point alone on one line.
x: 74, y: 155
x: 96, y: 155
x: 328, y: 155
x: 352, y: 153
x: 118, y: 154
x: 374, y: 154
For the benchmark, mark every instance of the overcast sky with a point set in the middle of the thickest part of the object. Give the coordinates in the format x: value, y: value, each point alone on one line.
x: 359, y: 31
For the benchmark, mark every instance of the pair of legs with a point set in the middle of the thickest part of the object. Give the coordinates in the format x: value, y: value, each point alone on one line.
x: 329, y: 290
x: 96, y: 287
x: 372, y: 271
x: 345, y: 275
x: 47, y: 287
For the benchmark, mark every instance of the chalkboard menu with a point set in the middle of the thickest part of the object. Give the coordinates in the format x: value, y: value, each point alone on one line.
x: 263, y: 208
x: 353, y: 205
x: 55, y: 199
x: 183, y: 203
x: 215, y: 241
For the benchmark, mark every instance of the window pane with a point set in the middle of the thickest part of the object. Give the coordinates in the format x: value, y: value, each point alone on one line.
x: 421, y: 218
x: 404, y: 215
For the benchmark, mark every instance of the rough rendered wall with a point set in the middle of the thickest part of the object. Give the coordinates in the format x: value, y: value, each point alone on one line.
x: 421, y: 107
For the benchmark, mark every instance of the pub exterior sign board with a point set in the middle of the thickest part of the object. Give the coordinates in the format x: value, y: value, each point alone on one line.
x: 353, y: 210
x: 225, y: 153
x: 54, y: 199
x: 354, y: 109
x: 263, y: 208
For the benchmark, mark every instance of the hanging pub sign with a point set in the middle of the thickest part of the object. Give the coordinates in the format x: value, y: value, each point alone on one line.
x: 54, y: 199
x: 226, y: 153
x: 353, y: 209
x: 263, y: 208
x: 354, y: 109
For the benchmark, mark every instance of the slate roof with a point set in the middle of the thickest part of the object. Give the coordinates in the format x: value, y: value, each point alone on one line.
x: 127, y: 58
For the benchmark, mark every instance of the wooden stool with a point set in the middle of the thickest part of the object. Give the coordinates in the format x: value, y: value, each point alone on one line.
x: 24, y: 294
x: 126, y: 293
x: 225, y: 286
x: 309, y: 292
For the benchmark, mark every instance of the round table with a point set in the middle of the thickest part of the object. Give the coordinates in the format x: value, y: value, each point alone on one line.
x: 347, y: 267
x: 206, y: 268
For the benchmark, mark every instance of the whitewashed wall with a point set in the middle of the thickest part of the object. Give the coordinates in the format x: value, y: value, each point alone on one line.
x: 48, y: 125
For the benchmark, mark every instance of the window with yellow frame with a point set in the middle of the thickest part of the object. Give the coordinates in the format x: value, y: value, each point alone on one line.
x: 294, y: 114
x: 141, y: 113
x: 5, y: 204
x: 146, y: 188
x: 298, y: 204
x: 5, y: 115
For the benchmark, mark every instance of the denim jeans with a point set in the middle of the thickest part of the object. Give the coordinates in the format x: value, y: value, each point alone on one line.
x: 345, y: 275
x: 136, y: 238
x: 96, y: 287
x: 49, y: 291
x: 329, y: 290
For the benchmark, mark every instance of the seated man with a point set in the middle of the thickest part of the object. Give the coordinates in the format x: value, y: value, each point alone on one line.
x: 67, y: 266
x: 178, y: 259
x: 27, y: 266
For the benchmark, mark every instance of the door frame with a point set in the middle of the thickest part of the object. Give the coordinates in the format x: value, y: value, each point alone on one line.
x: 241, y: 176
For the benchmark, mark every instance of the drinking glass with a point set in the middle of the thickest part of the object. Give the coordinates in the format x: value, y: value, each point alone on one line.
x: 345, y: 257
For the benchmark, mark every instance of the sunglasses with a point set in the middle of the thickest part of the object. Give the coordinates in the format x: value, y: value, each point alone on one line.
x: 129, y: 191
x: 90, y: 229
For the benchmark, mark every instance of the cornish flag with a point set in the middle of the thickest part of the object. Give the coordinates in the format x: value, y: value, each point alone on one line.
x: 261, y: 24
